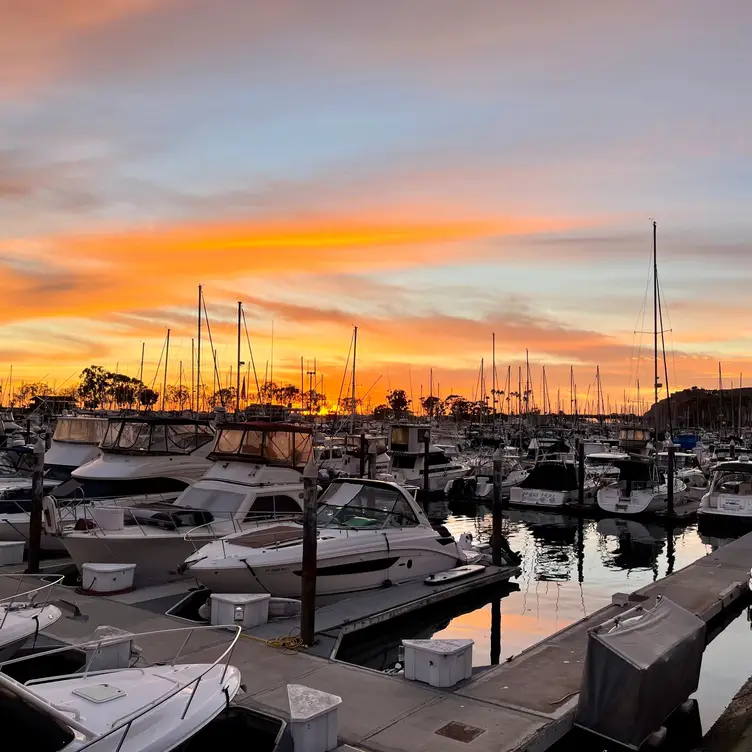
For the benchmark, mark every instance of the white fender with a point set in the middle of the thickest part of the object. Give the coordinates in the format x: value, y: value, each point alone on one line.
x: 51, y: 521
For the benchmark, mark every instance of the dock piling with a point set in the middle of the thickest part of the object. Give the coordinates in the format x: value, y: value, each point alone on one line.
x: 35, y: 517
x: 670, y: 479
x: 497, y: 511
x: 426, y: 453
x: 308, y: 593
x: 363, y: 451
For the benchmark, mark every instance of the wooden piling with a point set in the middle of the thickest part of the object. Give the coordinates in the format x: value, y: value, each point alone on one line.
x: 670, y: 479
x: 35, y: 516
x: 308, y: 592
x: 496, y: 511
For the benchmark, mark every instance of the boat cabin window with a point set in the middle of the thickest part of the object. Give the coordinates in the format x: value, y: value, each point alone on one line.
x: 437, y: 458
x: 737, y: 483
x: 364, y: 506
x: 283, y: 446
x: 80, y: 430
x: 277, y: 504
x: 219, y: 501
x: 157, y: 438
x: 403, y: 461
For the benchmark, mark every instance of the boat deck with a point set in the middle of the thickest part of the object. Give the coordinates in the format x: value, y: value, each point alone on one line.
x: 527, y: 703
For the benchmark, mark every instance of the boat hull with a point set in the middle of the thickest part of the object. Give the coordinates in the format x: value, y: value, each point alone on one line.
x: 532, y: 497
x: 642, y: 502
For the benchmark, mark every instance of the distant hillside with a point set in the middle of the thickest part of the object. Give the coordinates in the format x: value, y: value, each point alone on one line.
x: 706, y: 408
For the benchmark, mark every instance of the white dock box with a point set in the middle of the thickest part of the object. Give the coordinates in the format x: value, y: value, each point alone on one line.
x: 241, y: 609
x: 11, y: 552
x: 313, y: 719
x: 440, y: 663
x: 115, y: 653
x: 107, y: 578
x: 108, y: 518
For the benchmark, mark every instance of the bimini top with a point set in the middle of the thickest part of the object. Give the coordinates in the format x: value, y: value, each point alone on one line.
x: 154, y: 435
x: 80, y: 430
x: 552, y: 476
x: 279, y: 444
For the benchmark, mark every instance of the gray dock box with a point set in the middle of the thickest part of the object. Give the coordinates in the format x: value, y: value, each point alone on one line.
x: 639, y: 668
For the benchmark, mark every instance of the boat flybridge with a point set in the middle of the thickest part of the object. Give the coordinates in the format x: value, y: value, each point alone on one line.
x: 552, y: 484
x: 119, y: 709
x: 255, y: 474
x: 75, y: 442
x: 370, y: 534
x: 408, y: 459
x: 730, y: 494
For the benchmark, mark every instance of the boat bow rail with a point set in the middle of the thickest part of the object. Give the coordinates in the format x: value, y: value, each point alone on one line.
x: 71, y: 717
x: 37, y: 585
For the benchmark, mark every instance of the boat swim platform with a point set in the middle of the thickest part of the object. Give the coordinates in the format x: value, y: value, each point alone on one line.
x: 523, y: 705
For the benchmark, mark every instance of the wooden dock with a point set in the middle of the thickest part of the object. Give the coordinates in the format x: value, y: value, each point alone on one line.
x: 524, y: 705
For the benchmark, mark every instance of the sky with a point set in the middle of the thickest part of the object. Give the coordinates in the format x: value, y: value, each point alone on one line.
x: 431, y: 171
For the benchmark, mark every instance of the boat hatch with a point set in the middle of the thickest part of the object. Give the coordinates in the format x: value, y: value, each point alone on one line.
x: 99, y: 693
x: 269, y: 537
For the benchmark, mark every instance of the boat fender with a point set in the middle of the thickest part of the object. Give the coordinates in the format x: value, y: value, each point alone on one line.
x: 51, y: 516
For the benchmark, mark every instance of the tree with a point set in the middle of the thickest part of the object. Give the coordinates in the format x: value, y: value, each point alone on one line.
x: 224, y: 397
x: 457, y: 406
x: 148, y: 397
x: 398, y: 402
x: 287, y: 395
x: 268, y: 392
x: 93, y: 386
x: 383, y: 412
x: 432, y: 406
x: 27, y: 392
x: 177, y: 396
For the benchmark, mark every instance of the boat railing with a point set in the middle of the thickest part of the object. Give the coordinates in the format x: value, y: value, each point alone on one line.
x: 30, y: 594
x: 63, y: 714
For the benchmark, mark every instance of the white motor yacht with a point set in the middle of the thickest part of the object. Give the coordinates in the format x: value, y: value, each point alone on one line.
x: 370, y: 533
x: 642, y: 489
x: 346, y: 458
x: 75, y: 442
x: 687, y: 468
x: 479, y: 485
x: 552, y: 484
x: 255, y: 474
x: 730, y: 494
x: 140, y: 709
x: 408, y: 459
x: 26, y: 612
x: 147, y: 456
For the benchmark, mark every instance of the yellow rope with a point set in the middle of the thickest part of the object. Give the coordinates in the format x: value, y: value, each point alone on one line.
x: 290, y: 643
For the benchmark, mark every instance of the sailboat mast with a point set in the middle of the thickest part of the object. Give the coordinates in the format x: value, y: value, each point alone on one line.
x: 740, y: 404
x: 166, y: 361
x: 198, y: 355
x: 493, y: 373
x: 355, y: 356
x: 655, y: 324
x: 239, y: 363
x: 722, y: 416
x: 141, y: 369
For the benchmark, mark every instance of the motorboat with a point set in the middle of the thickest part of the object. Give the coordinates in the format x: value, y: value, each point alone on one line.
x: 687, y: 468
x: 479, y: 484
x: 255, y: 474
x: 75, y: 442
x: 26, y: 612
x: 354, y: 456
x: 147, y: 455
x: 409, y: 459
x: 145, y: 709
x: 552, y: 484
x: 730, y: 494
x: 643, y: 489
x: 600, y: 465
x: 370, y: 534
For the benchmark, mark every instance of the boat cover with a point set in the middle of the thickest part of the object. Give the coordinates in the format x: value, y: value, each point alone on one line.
x: 552, y: 476
x: 639, y: 668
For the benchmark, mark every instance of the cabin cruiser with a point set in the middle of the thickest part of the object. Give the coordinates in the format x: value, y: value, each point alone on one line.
x: 687, y: 468
x: 255, y: 474
x: 370, y: 534
x: 600, y: 465
x: 730, y: 494
x: 118, y: 709
x: 147, y: 455
x: 479, y: 485
x: 75, y: 442
x: 408, y: 459
x: 552, y: 484
x: 355, y: 456
x: 642, y: 489
x: 26, y: 612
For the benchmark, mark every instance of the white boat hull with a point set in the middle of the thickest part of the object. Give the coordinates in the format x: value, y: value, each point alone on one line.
x: 532, y: 497
x: 643, y: 501
x: 727, y: 506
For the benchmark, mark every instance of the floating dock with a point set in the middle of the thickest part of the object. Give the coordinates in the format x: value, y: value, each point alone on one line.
x: 525, y: 704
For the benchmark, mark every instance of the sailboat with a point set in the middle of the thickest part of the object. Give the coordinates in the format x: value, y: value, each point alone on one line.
x: 642, y: 488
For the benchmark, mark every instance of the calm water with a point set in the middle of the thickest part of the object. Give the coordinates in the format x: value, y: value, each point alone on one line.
x: 571, y: 567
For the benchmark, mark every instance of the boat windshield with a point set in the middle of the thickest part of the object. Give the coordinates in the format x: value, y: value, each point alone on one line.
x: 80, y: 430
x: 142, y: 437
x: 364, y: 506
x: 273, y: 444
x: 734, y: 482
x: 220, y: 502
